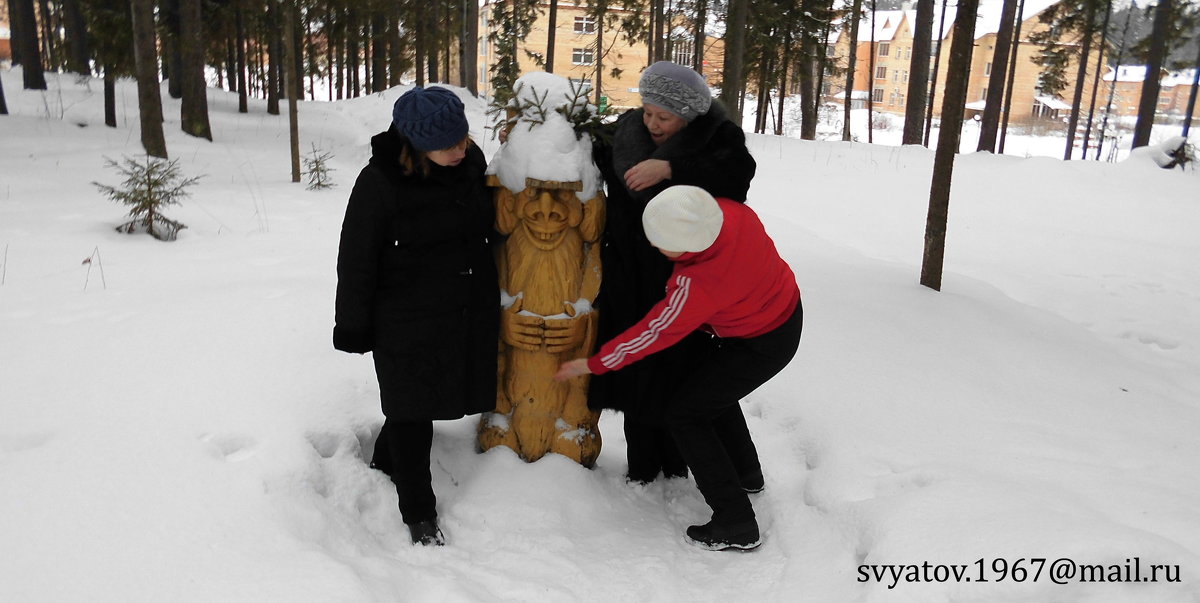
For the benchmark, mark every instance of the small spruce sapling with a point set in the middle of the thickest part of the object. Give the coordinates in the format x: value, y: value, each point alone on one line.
x: 148, y: 187
x: 317, y: 169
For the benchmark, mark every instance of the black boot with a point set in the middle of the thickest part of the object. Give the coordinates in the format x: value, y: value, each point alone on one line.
x: 426, y: 533
x: 742, y: 536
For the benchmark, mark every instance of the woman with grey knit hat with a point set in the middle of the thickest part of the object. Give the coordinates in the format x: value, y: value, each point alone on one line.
x: 680, y: 135
x: 417, y: 287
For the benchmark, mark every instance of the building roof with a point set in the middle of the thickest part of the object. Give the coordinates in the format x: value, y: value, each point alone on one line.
x: 1052, y: 102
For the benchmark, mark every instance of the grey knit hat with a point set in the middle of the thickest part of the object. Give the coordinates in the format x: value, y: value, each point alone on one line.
x: 431, y: 118
x: 683, y: 218
x: 676, y: 88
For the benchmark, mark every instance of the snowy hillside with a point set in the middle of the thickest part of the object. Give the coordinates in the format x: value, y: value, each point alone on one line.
x: 176, y: 426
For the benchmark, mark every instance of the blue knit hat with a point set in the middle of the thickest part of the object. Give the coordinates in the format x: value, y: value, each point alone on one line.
x: 431, y: 118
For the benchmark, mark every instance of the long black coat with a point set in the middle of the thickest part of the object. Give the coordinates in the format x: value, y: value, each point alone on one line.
x: 710, y: 152
x: 417, y: 284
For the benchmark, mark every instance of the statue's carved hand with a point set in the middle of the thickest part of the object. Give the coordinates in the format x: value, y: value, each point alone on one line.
x: 564, y: 334
x: 521, y: 331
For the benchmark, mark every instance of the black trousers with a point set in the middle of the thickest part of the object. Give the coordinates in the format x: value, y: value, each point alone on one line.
x: 402, y: 452
x: 707, y: 422
x: 651, y: 449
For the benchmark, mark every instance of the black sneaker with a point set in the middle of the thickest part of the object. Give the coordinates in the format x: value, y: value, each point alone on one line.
x: 737, y: 537
x: 426, y: 533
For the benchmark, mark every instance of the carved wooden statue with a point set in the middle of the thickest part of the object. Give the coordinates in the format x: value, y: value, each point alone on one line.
x: 550, y: 266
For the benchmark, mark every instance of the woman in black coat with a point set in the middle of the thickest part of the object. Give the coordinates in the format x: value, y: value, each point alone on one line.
x: 417, y: 287
x: 679, y: 136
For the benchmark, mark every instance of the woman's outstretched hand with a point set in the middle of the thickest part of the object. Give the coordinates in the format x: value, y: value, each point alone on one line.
x: 571, y: 369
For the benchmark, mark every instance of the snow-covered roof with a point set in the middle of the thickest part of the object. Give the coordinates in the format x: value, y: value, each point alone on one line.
x: 1126, y: 73
x: 987, y: 19
x: 1052, y: 103
x: 978, y: 105
x: 1180, y: 78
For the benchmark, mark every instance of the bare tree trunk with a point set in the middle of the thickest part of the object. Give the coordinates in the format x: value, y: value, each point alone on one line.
x: 378, y: 53
x: 603, y: 6
x: 551, y: 32
x: 698, y: 36
x: 937, y: 61
x: 471, y: 62
x: 193, y: 111
x: 1148, y: 104
x: 172, y: 47
x: 1087, y: 131
x: 1012, y: 76
x: 1191, y: 105
x: 240, y: 25
x: 149, y: 97
x: 16, y: 30
x: 396, y: 58
x: 291, y: 87
x: 110, y: 98
x: 49, y: 48
x: 783, y: 83
x: 1080, y: 77
x: 871, y: 79
x: 274, y: 57
x: 660, y: 26
x: 953, y: 105
x: 76, y: 33
x: 1112, y: 90
x: 848, y: 102
x: 34, y: 77
x: 918, y: 69
x: 733, y: 78
x: 990, y: 122
x: 431, y: 43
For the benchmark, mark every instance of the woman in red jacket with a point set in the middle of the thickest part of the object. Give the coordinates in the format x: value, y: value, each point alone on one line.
x: 728, y: 280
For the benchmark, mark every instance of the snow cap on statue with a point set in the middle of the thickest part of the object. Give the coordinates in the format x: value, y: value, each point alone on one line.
x: 676, y: 88
x: 683, y: 218
x: 431, y: 118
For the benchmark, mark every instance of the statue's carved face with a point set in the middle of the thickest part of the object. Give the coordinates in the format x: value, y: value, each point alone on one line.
x: 546, y: 214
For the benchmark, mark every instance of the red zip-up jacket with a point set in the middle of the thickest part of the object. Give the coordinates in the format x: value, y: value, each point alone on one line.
x: 738, y: 287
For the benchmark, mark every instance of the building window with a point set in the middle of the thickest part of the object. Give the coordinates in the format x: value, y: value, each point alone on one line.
x: 983, y: 95
x: 987, y: 70
x: 884, y: 49
x: 581, y: 56
x: 683, y: 52
x: 877, y: 95
x: 585, y: 25
x: 830, y: 50
x: 826, y: 88
x: 905, y: 76
x: 908, y: 52
x: 581, y: 84
x: 881, y: 73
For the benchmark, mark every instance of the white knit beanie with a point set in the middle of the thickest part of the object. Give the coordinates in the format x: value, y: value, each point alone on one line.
x: 683, y: 218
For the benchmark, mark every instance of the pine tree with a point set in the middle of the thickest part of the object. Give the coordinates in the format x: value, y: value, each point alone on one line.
x: 149, y: 186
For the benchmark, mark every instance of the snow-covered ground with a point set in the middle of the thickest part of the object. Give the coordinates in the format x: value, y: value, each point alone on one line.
x: 176, y: 426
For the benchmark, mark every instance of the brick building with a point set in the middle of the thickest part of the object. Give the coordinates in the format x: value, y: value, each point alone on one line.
x: 5, y: 34
x: 575, y: 55
x: 887, y: 84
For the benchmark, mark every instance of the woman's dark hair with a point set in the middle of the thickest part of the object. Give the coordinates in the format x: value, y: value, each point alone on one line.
x: 415, y: 161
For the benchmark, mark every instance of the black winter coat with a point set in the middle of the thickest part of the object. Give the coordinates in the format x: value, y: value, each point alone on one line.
x: 710, y: 152
x: 417, y: 284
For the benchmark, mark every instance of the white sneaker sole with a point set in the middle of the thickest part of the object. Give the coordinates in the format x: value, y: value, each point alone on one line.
x: 723, y: 546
